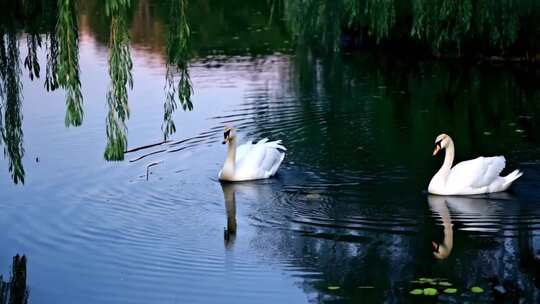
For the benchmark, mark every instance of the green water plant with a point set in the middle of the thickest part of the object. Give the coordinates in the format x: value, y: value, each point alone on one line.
x: 430, y: 292
x: 476, y: 289
x: 416, y: 291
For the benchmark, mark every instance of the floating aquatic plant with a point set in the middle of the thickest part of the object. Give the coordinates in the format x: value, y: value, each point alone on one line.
x: 477, y: 289
x: 430, y: 292
x: 416, y: 292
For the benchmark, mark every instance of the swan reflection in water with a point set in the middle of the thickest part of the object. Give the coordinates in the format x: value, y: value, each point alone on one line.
x: 475, y: 212
x: 230, y: 207
x: 253, y: 196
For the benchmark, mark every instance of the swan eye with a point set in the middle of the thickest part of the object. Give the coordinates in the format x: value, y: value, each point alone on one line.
x: 226, y: 134
x: 438, y: 144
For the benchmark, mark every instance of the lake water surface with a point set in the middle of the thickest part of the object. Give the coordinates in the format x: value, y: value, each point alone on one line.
x: 348, y: 208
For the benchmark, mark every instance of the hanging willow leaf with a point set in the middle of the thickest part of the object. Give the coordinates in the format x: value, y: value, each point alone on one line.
x: 68, y: 61
x: 120, y: 66
x: 444, y: 25
x: 11, y: 131
x: 178, y: 82
x: 51, y: 69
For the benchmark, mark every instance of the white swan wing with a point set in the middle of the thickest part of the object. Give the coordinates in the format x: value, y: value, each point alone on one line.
x: 476, y: 173
x: 260, y: 160
x: 243, y: 150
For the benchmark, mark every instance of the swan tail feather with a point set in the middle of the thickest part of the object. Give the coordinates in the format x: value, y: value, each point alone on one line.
x: 510, y: 178
x: 276, y: 144
x: 277, y: 164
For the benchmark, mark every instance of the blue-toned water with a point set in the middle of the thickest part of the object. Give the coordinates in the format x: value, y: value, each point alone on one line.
x: 348, y: 208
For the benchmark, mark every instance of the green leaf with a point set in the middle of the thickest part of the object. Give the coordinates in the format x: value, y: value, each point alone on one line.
x: 477, y: 289
x: 416, y: 292
x: 450, y: 290
x: 446, y: 284
x: 333, y: 287
x: 430, y: 291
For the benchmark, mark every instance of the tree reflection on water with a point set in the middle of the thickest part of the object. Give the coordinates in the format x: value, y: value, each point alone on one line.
x: 15, y: 290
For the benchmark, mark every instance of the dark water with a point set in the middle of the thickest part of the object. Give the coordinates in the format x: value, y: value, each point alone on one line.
x: 348, y: 208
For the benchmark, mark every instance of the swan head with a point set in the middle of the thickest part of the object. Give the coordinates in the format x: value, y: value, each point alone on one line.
x: 440, y: 251
x: 441, y: 142
x: 228, y: 134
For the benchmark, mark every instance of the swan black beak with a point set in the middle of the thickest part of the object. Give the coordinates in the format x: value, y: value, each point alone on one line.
x: 435, y: 247
x: 226, y: 136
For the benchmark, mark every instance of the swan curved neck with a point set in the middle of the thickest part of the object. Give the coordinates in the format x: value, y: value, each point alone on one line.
x: 229, y: 166
x: 448, y: 160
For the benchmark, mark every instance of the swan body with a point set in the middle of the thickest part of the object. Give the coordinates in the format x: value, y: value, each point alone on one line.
x: 476, y: 176
x: 250, y: 161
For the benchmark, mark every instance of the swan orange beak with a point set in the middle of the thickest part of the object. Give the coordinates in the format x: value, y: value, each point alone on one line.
x: 437, y: 149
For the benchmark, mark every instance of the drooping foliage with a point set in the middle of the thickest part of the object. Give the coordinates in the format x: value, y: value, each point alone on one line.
x: 178, y: 83
x: 11, y: 133
x: 459, y: 27
x: 120, y: 65
x: 67, y: 62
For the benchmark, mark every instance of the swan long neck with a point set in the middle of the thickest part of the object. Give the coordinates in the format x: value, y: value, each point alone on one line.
x: 448, y: 159
x: 230, y: 161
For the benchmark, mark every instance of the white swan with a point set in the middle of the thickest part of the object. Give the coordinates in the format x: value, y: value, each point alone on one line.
x: 476, y: 176
x: 250, y: 161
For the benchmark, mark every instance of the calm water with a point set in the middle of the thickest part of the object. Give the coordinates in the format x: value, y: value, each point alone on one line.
x: 348, y: 208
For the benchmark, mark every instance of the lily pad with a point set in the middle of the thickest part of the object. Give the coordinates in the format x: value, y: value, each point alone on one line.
x: 430, y: 292
x: 333, y: 287
x: 416, y: 292
x: 477, y: 289
x: 450, y: 290
x: 446, y: 284
x: 366, y: 287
